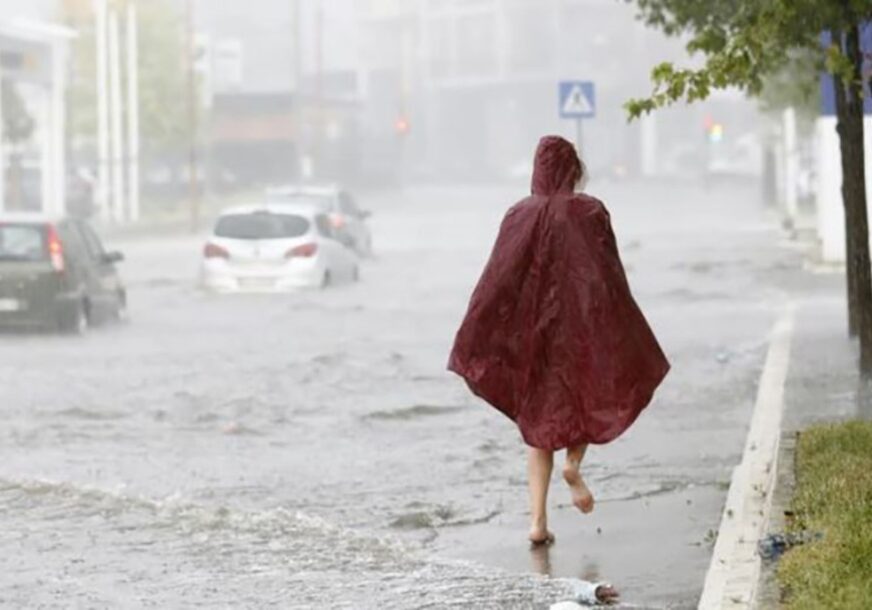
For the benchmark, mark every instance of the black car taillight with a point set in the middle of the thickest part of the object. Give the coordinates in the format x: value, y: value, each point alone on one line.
x: 55, y: 250
x: 215, y: 251
x: 304, y: 251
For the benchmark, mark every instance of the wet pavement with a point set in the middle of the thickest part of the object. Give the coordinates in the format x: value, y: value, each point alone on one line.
x: 309, y: 450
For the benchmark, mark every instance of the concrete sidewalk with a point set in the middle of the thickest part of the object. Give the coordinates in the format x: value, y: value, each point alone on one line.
x: 823, y: 386
x: 811, y: 376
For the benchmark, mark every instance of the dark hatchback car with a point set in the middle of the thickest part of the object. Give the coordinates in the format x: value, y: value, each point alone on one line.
x: 55, y: 274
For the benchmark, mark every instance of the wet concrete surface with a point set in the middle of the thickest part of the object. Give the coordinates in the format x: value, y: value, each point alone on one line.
x: 309, y: 450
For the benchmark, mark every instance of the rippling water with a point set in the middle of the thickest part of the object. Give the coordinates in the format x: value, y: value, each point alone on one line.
x: 108, y: 549
x: 309, y: 451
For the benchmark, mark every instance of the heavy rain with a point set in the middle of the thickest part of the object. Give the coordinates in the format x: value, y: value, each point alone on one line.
x: 237, y: 239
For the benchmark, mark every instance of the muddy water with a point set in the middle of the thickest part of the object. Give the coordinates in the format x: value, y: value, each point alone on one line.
x: 309, y: 450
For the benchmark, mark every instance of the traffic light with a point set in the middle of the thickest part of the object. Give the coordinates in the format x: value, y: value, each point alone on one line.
x: 713, y: 129
x: 402, y: 126
x: 716, y: 133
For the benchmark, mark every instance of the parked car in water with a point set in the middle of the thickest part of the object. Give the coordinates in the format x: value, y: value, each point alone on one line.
x: 275, y: 248
x: 348, y: 220
x: 56, y: 274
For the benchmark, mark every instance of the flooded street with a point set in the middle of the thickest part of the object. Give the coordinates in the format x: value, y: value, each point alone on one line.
x: 310, y: 451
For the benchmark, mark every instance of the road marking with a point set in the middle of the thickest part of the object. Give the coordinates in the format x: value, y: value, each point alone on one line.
x: 734, y: 571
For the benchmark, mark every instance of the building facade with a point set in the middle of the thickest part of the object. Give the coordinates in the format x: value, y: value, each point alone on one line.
x: 465, y: 88
x: 33, y: 76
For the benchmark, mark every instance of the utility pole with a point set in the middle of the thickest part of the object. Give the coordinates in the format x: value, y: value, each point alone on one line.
x: 102, y: 191
x: 2, y: 154
x: 133, y: 111
x: 116, y: 113
x: 296, y: 87
x: 319, y: 88
x: 296, y: 16
x: 405, y: 23
x: 193, y: 189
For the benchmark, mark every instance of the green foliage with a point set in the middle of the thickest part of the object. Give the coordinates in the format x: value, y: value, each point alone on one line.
x: 746, y: 44
x: 833, y: 496
x: 795, y: 84
x: 162, y: 73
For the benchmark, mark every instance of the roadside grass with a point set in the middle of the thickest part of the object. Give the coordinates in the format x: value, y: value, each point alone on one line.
x: 833, y: 496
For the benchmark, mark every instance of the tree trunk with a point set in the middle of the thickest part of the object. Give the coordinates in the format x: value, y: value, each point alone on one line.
x: 842, y: 128
x: 858, y: 266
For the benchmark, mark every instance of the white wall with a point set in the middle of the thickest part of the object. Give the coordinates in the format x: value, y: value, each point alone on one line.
x: 831, y: 214
x: 29, y: 9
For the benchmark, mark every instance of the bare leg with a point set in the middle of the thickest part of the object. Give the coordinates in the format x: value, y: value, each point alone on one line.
x: 539, y: 466
x: 581, y: 496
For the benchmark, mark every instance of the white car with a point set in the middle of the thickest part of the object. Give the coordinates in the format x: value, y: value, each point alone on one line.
x: 275, y: 248
x: 348, y: 220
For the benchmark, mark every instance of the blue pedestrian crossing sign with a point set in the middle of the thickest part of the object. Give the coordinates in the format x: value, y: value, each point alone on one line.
x: 577, y: 99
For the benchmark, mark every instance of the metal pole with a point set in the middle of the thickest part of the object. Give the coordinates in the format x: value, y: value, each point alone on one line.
x: 59, y: 121
x: 298, y: 45
x: 193, y: 191
x: 319, y: 87
x: 301, y: 147
x: 2, y: 153
x: 405, y: 91
x: 791, y: 167
x: 133, y: 110
x: 118, y: 206
x: 102, y: 190
x: 648, y: 137
x: 578, y: 135
x: 59, y: 113
x: 44, y: 131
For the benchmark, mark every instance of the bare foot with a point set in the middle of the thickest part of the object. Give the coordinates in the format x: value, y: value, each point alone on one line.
x: 581, y: 496
x: 540, y: 536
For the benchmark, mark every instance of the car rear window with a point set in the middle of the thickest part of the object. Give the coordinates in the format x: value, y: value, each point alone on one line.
x: 262, y: 225
x: 321, y: 202
x: 22, y: 242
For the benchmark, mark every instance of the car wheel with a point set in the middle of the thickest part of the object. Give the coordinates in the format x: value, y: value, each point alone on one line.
x: 364, y: 249
x: 74, y: 320
x: 121, y: 313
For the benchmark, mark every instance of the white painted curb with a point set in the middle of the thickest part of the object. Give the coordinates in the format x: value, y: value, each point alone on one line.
x: 731, y: 581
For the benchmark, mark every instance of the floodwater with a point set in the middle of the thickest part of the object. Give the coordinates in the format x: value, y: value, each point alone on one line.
x: 310, y: 451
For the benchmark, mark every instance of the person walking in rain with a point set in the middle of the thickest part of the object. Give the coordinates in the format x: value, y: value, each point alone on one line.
x: 553, y: 337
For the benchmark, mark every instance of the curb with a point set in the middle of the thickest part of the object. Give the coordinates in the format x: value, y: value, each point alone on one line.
x: 733, y: 574
x: 768, y: 594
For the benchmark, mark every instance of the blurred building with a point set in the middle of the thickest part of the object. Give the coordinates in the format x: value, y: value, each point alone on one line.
x: 464, y: 88
x: 280, y: 81
x: 381, y: 90
x: 33, y: 79
x: 490, y: 74
x: 245, y: 59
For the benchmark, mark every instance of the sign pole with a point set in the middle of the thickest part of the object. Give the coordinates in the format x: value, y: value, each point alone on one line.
x: 193, y: 118
x: 578, y: 134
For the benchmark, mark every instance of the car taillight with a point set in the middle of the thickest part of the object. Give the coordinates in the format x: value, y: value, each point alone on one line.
x: 337, y: 221
x: 215, y: 251
x: 55, y: 250
x: 304, y: 251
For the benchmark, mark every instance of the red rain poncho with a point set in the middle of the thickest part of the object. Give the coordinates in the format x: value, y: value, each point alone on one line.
x: 553, y: 337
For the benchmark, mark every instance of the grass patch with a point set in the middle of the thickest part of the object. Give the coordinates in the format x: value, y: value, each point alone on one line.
x: 833, y: 496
